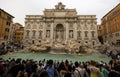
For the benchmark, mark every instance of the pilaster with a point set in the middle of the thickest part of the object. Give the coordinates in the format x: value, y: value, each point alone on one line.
x: 51, y: 33
x: 44, y: 30
x: 75, y: 31
x: 67, y: 31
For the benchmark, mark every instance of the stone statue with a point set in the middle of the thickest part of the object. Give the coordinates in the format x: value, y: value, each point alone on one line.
x: 71, y: 34
x: 60, y: 6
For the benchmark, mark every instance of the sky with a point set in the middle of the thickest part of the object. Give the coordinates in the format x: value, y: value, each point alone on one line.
x: 20, y: 8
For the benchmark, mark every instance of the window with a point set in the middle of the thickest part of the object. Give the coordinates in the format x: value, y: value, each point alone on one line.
x: 115, y: 20
x: 116, y: 27
x: 7, y: 29
x: 34, y: 32
x: 28, y: 26
x: 93, y: 43
x: 5, y: 37
x: 85, y: 25
x: 79, y: 34
x: 93, y: 34
x: 114, y: 13
x: 118, y: 42
x: 40, y: 34
x: 117, y: 34
x: 8, y: 18
x: 39, y: 41
x: 86, y: 33
x: 33, y: 41
x: 27, y: 32
x: 108, y: 17
x: 8, y: 23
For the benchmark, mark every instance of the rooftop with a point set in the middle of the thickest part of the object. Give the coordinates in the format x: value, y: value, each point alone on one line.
x: 6, y: 12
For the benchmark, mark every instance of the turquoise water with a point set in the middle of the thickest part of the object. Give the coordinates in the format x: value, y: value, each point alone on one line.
x: 40, y: 56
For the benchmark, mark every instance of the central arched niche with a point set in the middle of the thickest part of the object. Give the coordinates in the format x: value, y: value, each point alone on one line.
x: 59, y: 32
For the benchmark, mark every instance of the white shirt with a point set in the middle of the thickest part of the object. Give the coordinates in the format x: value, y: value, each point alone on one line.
x: 77, y: 72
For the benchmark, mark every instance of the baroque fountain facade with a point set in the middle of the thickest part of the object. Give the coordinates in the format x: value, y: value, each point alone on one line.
x: 60, y: 28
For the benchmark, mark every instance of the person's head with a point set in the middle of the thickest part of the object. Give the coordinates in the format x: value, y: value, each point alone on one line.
x: 50, y: 62
x: 66, y: 62
x: 93, y: 63
x: 18, y: 61
x: 76, y: 64
x: 81, y: 65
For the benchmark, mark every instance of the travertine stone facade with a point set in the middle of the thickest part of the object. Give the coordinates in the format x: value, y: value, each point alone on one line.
x: 61, y: 25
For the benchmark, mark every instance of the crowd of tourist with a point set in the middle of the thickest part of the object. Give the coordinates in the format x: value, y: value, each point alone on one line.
x: 50, y: 68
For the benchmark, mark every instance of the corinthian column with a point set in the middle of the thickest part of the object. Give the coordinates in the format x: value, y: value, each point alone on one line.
x: 44, y: 30
x: 67, y: 31
x: 75, y: 31
x: 51, y: 33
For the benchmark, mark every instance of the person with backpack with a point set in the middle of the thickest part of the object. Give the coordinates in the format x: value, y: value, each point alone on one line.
x: 80, y: 71
x: 77, y: 70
